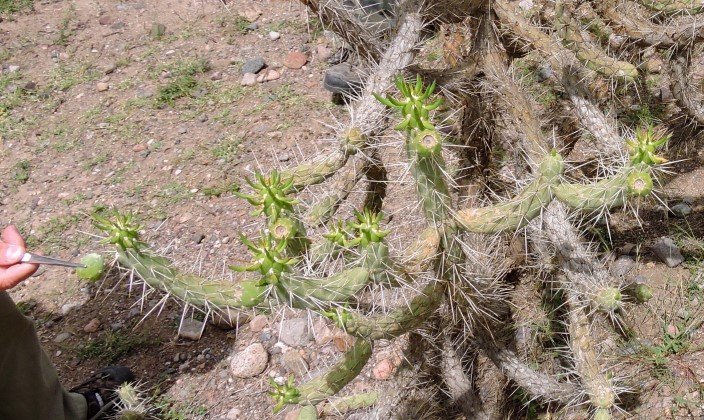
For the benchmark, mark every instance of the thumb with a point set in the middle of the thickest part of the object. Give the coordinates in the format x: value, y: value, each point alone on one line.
x: 11, y: 247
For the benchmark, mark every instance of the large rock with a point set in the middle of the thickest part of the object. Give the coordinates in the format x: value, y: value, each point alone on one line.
x: 249, y: 362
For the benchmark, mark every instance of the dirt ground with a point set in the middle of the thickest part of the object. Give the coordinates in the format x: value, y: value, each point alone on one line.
x: 101, y: 106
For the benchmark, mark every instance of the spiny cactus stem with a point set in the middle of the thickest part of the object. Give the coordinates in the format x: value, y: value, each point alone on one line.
x: 343, y: 405
x: 316, y: 171
x: 339, y: 375
x: 596, y: 383
x: 400, y: 320
x: 321, y: 212
x: 319, y: 293
x: 674, y: 7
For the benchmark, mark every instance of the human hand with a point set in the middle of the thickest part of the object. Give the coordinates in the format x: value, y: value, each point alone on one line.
x: 12, y: 249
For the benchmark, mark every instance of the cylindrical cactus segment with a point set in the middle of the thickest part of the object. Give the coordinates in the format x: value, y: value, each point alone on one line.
x: 316, y: 171
x: 354, y: 140
x: 399, y: 321
x: 426, y: 143
x: 427, y: 167
x: 517, y: 212
x: 339, y: 375
x: 674, y: 7
x: 421, y: 252
x: 589, y: 55
x: 158, y: 273
x: 608, y: 193
x: 314, y: 293
x: 307, y: 412
x: 342, y: 405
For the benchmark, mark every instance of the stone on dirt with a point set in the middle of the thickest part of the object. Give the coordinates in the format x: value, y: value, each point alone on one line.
x: 249, y: 79
x: 294, y: 363
x: 295, y: 332
x: 668, y: 252
x: 229, y: 319
x: 249, y: 362
x: 295, y: 60
x: 92, y: 326
x: 258, y: 323
x: 191, y: 329
x: 253, y: 66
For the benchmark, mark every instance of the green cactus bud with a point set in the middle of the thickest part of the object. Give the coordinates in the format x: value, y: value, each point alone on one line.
x: 413, y: 106
x: 269, y: 259
x: 517, y: 212
x: 270, y: 196
x: 340, y: 316
x: 367, y: 228
x: 122, y: 231
x: 640, y: 183
x: 644, y: 146
x: 353, y: 140
x: 283, y: 394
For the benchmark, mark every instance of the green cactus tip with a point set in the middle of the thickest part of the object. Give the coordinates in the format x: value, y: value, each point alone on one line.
x: 339, y: 315
x: 644, y: 146
x: 413, y: 106
x: 367, y: 228
x: 270, y: 195
x: 269, y: 259
x: 122, y: 230
x: 284, y: 394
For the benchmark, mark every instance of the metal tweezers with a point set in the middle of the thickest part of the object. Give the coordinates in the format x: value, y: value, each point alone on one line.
x: 41, y: 259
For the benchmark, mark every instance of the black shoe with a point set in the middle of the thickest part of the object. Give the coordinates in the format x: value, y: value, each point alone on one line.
x: 343, y: 79
x: 100, y: 390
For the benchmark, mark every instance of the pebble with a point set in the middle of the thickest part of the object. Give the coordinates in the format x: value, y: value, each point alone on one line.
x: 182, y: 130
x: 253, y: 66
x: 274, y: 35
x: 295, y: 332
x: 65, y: 309
x: 12, y: 68
x: 622, y: 266
x: 191, y: 329
x: 295, y: 60
x: 102, y: 86
x: 383, y: 370
x: 284, y: 157
x: 234, y: 414
x: 198, y: 238
x: 258, y: 323
x: 249, y: 79
x: 343, y: 342
x: 92, y: 326
x: 265, y: 337
x: 249, y: 362
x: 668, y: 252
x: 294, y: 363
x: 324, y: 52
x: 216, y: 76
x: 681, y: 209
x: 105, y: 20
x: 61, y: 337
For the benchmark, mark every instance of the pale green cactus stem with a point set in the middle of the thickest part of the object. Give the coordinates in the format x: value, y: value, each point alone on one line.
x: 343, y: 405
x: 607, y: 193
x: 293, y: 232
x: 316, y: 171
x: 419, y: 255
x: 316, y: 293
x: 330, y: 245
x: 158, y: 273
x: 339, y: 375
x: 322, y: 211
x: 596, y: 383
x: 674, y: 7
x: 398, y: 321
x: 307, y: 412
x: 590, y: 55
x: 520, y: 210
x: 427, y: 167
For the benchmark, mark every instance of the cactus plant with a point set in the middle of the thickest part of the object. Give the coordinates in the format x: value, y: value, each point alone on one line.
x: 356, y: 261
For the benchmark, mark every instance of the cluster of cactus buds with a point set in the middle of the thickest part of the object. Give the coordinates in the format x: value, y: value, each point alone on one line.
x: 414, y: 106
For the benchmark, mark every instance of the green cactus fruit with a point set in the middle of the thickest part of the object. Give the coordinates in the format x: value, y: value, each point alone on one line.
x: 427, y: 143
x: 306, y: 292
x: 413, y: 106
x: 645, y: 144
x: 609, y: 299
x: 292, y: 232
x: 640, y: 183
x: 517, y: 212
x: 94, y: 265
x: 283, y: 394
x: 339, y: 375
x: 269, y: 258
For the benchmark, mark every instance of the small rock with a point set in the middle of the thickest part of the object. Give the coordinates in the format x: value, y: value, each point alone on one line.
x: 109, y: 68
x: 628, y: 249
x: 681, y: 209
x: 324, y: 52
x: 184, y: 218
x: 198, y: 238
x: 182, y: 130
x: 261, y: 77
x: 249, y: 362
x: 65, y: 309
x: 92, y: 326
x: 251, y: 13
x: 252, y: 26
x: 216, y: 76
x: 668, y: 252
x: 61, y: 337
x: 229, y: 319
x: 272, y: 74
x: 343, y: 342
x: 383, y: 370
x: 105, y: 20
x: 234, y: 414
x: 295, y: 332
x: 191, y: 329
x: 295, y: 364
x: 295, y: 60
x: 284, y: 157
x: 102, y: 86
x: 253, y: 65
x: 249, y: 79
x: 525, y: 4
x: 13, y: 68
x: 622, y: 266
x: 258, y: 323
x: 265, y: 337
x: 158, y: 30
x: 273, y: 35
x: 293, y: 414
